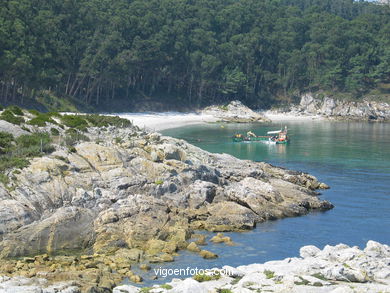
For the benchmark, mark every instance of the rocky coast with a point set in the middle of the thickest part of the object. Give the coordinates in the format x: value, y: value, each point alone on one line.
x: 120, y: 197
x: 336, y: 269
x: 321, y: 106
x: 235, y: 112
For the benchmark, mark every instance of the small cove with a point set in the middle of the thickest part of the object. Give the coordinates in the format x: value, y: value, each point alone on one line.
x: 352, y: 157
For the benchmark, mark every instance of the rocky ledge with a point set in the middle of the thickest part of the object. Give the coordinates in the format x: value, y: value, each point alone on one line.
x: 337, y: 268
x: 89, y: 212
x: 236, y: 112
x: 329, y: 107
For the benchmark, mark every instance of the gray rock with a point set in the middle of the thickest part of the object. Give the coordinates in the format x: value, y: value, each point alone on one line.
x: 15, y: 130
x: 309, y: 251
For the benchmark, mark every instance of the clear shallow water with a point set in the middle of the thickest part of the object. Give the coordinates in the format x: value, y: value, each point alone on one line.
x: 352, y: 157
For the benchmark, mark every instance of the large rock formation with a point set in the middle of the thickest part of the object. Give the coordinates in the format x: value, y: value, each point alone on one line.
x: 337, y: 268
x: 235, y: 111
x: 128, y: 196
x: 365, y: 109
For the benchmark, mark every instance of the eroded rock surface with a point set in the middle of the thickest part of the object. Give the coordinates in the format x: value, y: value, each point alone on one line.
x: 235, y: 111
x: 337, y: 268
x: 331, y: 107
x: 137, y: 198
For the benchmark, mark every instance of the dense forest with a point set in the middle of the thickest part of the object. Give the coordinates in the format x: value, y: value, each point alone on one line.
x: 193, y: 52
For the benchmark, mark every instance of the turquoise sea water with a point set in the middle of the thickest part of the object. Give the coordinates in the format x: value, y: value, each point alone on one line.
x: 352, y: 157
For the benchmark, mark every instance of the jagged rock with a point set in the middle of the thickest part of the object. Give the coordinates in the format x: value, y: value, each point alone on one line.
x: 207, y: 254
x: 235, y: 111
x: 363, y: 109
x: 220, y: 238
x: 313, y: 273
x: 309, y: 251
x: 193, y: 247
x: 119, y: 204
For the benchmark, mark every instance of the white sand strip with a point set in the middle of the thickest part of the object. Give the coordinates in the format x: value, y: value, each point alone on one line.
x: 166, y: 120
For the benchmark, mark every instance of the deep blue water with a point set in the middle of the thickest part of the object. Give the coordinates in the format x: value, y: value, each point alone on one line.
x: 352, y: 157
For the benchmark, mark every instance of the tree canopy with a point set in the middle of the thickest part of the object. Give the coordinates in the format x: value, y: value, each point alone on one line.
x: 197, y: 52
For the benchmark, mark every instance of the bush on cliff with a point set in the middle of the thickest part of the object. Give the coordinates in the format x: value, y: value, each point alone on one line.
x: 9, y: 116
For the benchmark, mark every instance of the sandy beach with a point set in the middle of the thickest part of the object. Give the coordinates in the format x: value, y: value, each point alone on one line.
x: 166, y: 120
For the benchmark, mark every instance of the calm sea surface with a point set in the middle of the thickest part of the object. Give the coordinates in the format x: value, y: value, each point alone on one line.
x: 352, y: 157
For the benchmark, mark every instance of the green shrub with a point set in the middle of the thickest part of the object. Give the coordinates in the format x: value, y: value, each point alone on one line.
x: 54, y: 131
x: 303, y: 282
x: 6, y: 140
x: 54, y: 114
x: 8, y: 162
x: 1, y: 108
x: 4, y: 179
x: 33, y: 145
x: 104, y: 121
x: 73, y: 138
x: 205, y: 278
x: 159, y: 182
x: 74, y: 121
x: 16, y: 110
x: 15, y: 152
x: 34, y: 112
x: 319, y: 276
x: 269, y: 274
x: 8, y: 116
x: 41, y: 120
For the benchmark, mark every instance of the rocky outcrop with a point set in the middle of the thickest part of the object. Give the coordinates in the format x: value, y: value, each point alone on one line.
x: 133, y: 199
x: 337, y: 268
x: 365, y: 109
x: 235, y: 111
x: 15, y: 130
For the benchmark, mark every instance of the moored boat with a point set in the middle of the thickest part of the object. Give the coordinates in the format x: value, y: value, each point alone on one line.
x: 272, y: 137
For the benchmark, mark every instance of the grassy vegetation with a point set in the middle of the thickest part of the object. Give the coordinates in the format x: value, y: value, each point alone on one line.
x: 75, y: 121
x: 166, y: 286
x: 269, y: 274
x: 41, y: 119
x: 81, y: 122
x: 235, y: 281
x: 15, y: 152
x: 54, y: 131
x: 104, y: 121
x: 319, y: 276
x: 205, y: 278
x: 73, y: 137
x: 302, y: 282
x: 15, y: 110
x: 9, y: 116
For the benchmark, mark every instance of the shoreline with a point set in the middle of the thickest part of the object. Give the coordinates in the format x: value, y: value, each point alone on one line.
x: 288, y: 116
x: 166, y: 120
